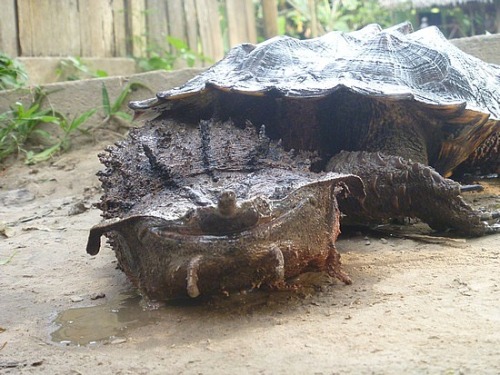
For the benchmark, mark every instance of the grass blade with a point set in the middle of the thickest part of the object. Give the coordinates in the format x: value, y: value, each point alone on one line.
x: 105, y: 101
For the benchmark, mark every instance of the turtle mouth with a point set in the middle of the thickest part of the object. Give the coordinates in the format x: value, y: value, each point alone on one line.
x: 250, y: 221
x: 244, y: 226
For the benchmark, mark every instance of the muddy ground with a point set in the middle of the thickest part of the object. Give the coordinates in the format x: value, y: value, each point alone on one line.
x: 414, y: 307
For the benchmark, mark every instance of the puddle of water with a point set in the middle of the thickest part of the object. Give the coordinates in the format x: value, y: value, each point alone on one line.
x: 103, y: 323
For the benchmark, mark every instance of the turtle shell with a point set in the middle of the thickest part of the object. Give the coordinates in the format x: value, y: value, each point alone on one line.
x: 339, y: 75
x: 241, y: 177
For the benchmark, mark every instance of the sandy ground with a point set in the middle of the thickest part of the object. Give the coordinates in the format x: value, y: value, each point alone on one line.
x: 414, y: 307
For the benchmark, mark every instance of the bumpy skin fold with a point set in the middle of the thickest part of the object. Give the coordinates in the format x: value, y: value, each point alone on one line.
x: 397, y: 188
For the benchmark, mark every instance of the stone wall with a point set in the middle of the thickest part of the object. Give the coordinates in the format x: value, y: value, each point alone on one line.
x: 485, y: 47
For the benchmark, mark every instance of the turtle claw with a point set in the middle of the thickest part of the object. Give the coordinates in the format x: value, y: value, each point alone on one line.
x: 473, y: 187
x: 492, y: 229
x: 487, y: 216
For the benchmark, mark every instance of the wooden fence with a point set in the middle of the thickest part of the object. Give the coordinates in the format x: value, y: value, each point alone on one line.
x: 119, y: 28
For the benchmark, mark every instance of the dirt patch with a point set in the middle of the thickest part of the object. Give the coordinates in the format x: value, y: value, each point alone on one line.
x: 414, y: 307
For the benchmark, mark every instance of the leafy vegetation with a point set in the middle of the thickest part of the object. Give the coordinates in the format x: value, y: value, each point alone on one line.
x: 21, y: 126
x: 343, y: 15
x: 73, y: 68
x: 112, y: 111
x: 160, y: 58
x: 21, y: 123
x: 12, y: 73
x: 63, y: 142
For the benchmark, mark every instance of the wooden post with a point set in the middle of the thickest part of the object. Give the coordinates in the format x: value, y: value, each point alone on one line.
x: 8, y: 29
x: 497, y: 18
x: 119, y: 29
x: 314, y: 18
x: 157, y: 24
x: 241, y: 22
x: 270, y: 13
x: 191, y: 25
x: 137, y: 26
x: 207, y: 15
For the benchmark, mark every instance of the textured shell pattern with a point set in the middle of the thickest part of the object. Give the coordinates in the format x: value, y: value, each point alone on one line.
x: 395, y: 63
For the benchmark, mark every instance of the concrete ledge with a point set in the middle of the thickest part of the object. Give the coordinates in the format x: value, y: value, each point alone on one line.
x: 43, y: 70
x: 484, y: 47
x: 75, y: 97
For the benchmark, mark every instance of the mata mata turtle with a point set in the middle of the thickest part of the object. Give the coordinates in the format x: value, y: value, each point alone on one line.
x: 240, y: 177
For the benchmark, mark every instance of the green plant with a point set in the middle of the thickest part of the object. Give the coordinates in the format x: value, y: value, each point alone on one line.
x: 161, y: 58
x: 113, y: 110
x: 73, y: 68
x: 12, y: 73
x: 22, y: 124
x: 342, y: 15
x: 68, y: 127
x: 6, y: 261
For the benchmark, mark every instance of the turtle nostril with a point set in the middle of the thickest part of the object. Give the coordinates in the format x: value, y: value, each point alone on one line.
x: 227, y: 203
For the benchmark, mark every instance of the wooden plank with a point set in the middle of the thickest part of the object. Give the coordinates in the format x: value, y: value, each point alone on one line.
x: 191, y: 26
x: 65, y: 22
x: 136, y: 10
x: 87, y: 24
x: 497, y: 18
x: 270, y: 14
x: 119, y: 29
x: 176, y: 20
x: 250, y: 21
x: 8, y: 28
x: 24, y: 28
x: 311, y: 4
x: 75, y: 43
x: 42, y: 30
x: 207, y: 15
x: 156, y: 24
x: 105, y: 10
x: 71, y: 27
x: 177, y: 27
x: 96, y: 22
x: 241, y: 22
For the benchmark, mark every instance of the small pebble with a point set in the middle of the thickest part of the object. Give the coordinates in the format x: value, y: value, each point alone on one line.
x: 97, y: 296
x: 383, y: 240
x: 77, y: 208
x: 118, y: 340
x: 76, y: 299
x: 367, y: 242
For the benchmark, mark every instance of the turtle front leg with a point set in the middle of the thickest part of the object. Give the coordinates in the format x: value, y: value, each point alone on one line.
x: 397, y: 188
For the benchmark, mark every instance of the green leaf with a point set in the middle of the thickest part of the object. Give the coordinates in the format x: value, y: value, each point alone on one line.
x: 177, y: 43
x: 77, y: 122
x: 7, y: 260
x: 105, y: 101
x: 121, y: 98
x: 123, y: 115
x: 48, y: 119
x: 46, y: 154
x: 101, y: 73
x: 124, y: 93
x: 43, y: 134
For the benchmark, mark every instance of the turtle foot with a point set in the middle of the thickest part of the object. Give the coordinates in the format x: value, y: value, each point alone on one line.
x: 398, y: 188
